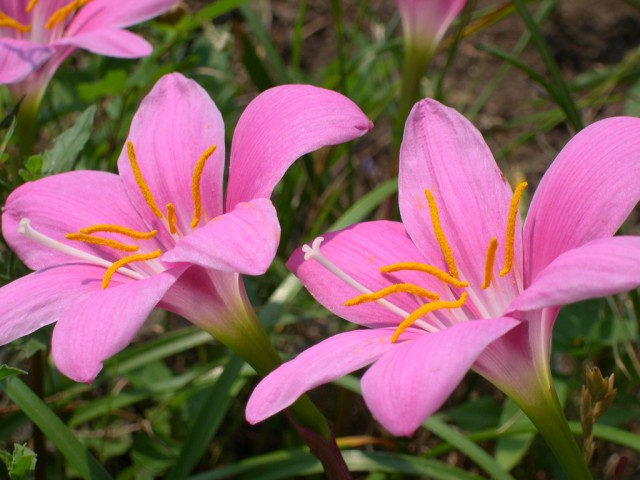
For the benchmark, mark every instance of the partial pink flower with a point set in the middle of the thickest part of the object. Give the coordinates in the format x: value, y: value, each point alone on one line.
x: 460, y: 284
x: 36, y: 36
x: 109, y: 248
x: 424, y: 22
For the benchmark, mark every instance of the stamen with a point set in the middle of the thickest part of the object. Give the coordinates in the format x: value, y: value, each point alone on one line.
x: 313, y: 253
x: 439, y: 233
x: 32, y: 4
x: 171, y: 218
x: 62, y: 13
x: 195, y: 185
x: 8, y: 22
x: 511, y: 229
x: 423, y: 267
x: 399, y: 287
x: 26, y: 230
x: 82, y: 237
x: 140, y: 257
x: 423, y: 310
x: 488, y: 264
x: 142, y: 185
x: 127, y: 232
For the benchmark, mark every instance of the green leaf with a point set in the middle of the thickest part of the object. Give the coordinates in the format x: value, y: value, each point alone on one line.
x: 366, y: 204
x: 73, y: 451
x: 69, y: 144
x: 21, y: 464
x: 511, y: 448
x: 113, y: 83
x: 7, y: 371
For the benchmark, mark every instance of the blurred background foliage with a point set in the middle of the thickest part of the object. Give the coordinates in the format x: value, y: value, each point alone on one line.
x: 172, y: 405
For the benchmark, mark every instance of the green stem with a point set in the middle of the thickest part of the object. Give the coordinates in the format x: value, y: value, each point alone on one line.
x: 548, y: 417
x: 26, y: 128
x: 250, y: 341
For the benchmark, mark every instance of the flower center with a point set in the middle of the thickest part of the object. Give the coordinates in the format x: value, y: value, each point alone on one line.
x: 87, y: 234
x: 450, y: 278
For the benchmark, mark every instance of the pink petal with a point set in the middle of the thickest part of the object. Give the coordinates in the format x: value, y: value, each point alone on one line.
x: 330, y: 359
x: 281, y: 125
x: 444, y: 153
x: 407, y: 385
x: 110, y: 42
x: 360, y: 251
x: 244, y: 240
x: 174, y: 126
x: 31, y: 302
x: 19, y: 58
x: 599, y: 268
x: 66, y: 203
x: 99, y: 14
x: 104, y: 323
x: 586, y: 194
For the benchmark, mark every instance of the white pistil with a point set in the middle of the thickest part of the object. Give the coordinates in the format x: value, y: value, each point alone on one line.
x: 26, y: 230
x: 313, y: 252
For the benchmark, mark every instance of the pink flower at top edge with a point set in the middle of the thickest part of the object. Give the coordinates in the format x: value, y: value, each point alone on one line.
x: 36, y: 36
x: 109, y: 248
x: 424, y: 22
x: 460, y: 284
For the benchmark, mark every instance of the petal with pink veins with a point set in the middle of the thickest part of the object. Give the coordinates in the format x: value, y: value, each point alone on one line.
x: 19, y: 58
x: 177, y: 122
x: 111, y: 42
x: 244, y: 240
x: 359, y: 251
x: 407, y: 385
x: 599, y: 268
x: 328, y: 360
x: 66, y: 203
x: 279, y: 126
x: 586, y: 194
x: 104, y: 323
x: 40, y: 298
x: 100, y: 14
x: 444, y: 153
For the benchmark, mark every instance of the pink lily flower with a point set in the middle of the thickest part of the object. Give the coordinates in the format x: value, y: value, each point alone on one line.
x: 424, y: 22
x: 36, y: 36
x: 109, y: 248
x: 460, y: 284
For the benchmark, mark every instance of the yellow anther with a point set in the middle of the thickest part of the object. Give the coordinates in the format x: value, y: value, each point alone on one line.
x: 8, y: 22
x: 195, y: 185
x: 423, y: 310
x: 439, y: 233
x: 171, y: 218
x: 142, y: 185
x: 511, y: 229
x: 32, y: 4
x: 399, y: 287
x: 62, y: 13
x: 105, y: 242
x: 127, y: 232
x: 140, y: 257
x: 423, y: 267
x: 488, y: 264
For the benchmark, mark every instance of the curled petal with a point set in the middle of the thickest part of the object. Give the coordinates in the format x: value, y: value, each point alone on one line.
x: 111, y: 42
x: 333, y: 358
x: 408, y: 384
x: 244, y: 240
x: 587, y: 192
x: 104, y: 322
x: 281, y: 125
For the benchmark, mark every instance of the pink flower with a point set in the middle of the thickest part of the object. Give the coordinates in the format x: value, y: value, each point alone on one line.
x: 424, y: 22
x: 109, y: 248
x: 460, y: 284
x: 36, y: 36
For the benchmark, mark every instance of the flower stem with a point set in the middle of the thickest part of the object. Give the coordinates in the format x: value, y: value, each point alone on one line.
x: 26, y: 129
x: 256, y: 349
x: 548, y: 417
